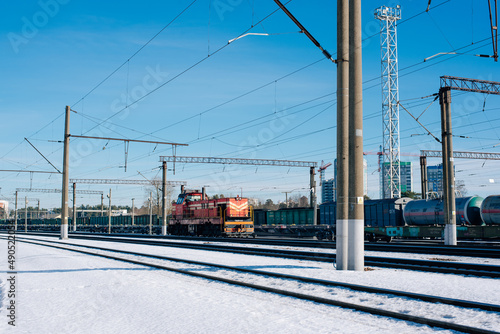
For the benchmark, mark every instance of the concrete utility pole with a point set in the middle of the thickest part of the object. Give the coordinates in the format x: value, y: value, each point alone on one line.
x: 447, y: 84
x: 102, y: 205
x: 151, y: 213
x: 164, y: 201
x: 15, y: 215
x: 356, y: 206
x: 423, y: 176
x: 109, y: 212
x: 312, y: 174
x: 65, y: 178
x: 286, y: 197
x: 74, y: 207
x: 450, y: 228
x: 133, y: 211
x: 26, y: 214
x: 342, y: 180
x: 38, y: 210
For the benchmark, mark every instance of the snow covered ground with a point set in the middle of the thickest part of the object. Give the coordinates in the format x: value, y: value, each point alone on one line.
x: 59, y: 291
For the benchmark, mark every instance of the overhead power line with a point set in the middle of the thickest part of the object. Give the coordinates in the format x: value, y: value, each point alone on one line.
x: 135, y: 53
x: 27, y: 171
x: 181, y: 73
x: 42, y: 155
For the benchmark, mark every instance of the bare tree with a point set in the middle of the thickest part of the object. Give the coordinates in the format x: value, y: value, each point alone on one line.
x: 155, y: 189
x: 460, y: 188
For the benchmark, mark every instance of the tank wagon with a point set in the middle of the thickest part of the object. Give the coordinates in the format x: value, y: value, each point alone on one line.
x: 430, y: 212
x: 490, y: 210
x: 195, y: 214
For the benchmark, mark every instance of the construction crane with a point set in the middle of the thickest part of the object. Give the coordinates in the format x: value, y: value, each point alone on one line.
x: 321, y: 172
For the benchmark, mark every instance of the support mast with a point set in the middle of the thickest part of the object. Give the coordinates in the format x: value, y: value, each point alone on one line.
x: 391, y: 172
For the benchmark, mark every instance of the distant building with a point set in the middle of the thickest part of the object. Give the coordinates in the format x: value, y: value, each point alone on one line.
x: 435, y: 179
x: 328, y: 191
x: 406, y: 177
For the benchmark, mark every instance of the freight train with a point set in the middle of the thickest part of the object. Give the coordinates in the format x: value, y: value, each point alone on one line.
x: 476, y: 218
x: 142, y: 224
x: 195, y: 214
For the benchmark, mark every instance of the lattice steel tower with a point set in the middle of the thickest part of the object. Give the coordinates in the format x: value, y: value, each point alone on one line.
x: 390, y: 174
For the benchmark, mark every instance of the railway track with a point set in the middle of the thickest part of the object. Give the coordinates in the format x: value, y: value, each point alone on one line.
x: 303, y: 283
x: 479, y: 251
x: 456, y: 268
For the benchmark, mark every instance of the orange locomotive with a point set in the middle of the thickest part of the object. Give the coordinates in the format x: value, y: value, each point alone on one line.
x: 195, y: 214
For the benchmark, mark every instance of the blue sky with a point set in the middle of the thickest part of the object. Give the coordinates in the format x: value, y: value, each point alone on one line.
x: 269, y: 97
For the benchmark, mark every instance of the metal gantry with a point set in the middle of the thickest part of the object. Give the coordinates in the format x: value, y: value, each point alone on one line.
x: 119, y: 181
x: 58, y: 191
x: 447, y: 85
x: 424, y: 154
x: 462, y: 155
x: 238, y: 161
x: 165, y: 184
x: 391, y: 174
x: 253, y: 162
x: 470, y: 85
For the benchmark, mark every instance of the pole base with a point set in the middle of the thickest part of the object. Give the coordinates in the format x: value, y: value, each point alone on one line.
x: 450, y: 234
x: 356, y: 247
x: 341, y: 242
x: 64, y: 232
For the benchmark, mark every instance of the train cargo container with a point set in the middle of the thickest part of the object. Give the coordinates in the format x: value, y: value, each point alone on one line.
x: 378, y: 213
x: 260, y: 217
x: 291, y: 216
x: 430, y: 212
x: 328, y: 213
x: 385, y: 212
x: 490, y: 210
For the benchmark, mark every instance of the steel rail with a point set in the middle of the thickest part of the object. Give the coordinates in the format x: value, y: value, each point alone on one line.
x: 427, y: 298
x: 456, y: 268
x: 366, y: 309
x: 479, y: 251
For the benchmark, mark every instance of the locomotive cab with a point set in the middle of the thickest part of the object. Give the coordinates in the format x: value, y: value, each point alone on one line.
x: 195, y: 214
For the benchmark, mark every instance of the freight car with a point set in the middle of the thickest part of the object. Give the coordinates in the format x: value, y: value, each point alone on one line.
x: 430, y: 212
x: 379, y: 212
x: 287, y: 222
x: 195, y: 214
x: 405, y: 218
x: 490, y: 210
x: 96, y: 224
